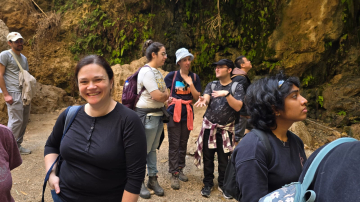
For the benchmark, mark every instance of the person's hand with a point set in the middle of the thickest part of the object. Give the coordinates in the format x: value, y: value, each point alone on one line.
x: 201, y: 102
x: 169, y: 100
x: 54, y: 182
x: 187, y: 79
x: 219, y: 93
x: 8, y: 99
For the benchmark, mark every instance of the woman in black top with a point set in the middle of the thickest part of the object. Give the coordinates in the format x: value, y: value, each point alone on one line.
x: 274, y: 104
x: 104, y: 150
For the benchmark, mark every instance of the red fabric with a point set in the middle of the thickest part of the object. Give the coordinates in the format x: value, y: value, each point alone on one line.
x: 177, y: 111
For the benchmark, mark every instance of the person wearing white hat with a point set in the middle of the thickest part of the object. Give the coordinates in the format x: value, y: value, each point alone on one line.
x: 9, y: 84
x: 184, y: 87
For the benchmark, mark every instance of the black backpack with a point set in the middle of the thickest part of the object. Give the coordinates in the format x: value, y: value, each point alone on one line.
x: 230, y: 186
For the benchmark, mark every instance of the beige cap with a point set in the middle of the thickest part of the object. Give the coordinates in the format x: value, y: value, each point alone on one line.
x: 13, y: 36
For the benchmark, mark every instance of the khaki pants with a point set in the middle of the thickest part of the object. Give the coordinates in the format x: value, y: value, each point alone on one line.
x: 18, y: 117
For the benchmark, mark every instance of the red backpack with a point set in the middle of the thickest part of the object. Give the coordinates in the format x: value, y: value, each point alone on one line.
x: 130, y: 96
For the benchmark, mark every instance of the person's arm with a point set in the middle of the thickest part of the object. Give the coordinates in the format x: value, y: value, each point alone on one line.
x: 52, y: 150
x: 203, y: 101
x: 151, y: 86
x: 251, y: 169
x: 7, y: 97
x: 129, y: 197
x: 9, y: 143
x: 134, y: 139
x: 188, y: 79
x: 234, y: 103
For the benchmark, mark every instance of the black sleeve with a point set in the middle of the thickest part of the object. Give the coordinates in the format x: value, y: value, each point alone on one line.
x: 53, y: 142
x: 168, y: 79
x: 251, y: 168
x: 239, y: 92
x: 135, y: 152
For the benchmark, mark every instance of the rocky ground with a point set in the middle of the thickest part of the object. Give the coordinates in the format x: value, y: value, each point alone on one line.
x: 29, y: 177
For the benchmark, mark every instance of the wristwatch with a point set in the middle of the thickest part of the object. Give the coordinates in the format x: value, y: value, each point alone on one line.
x: 227, y: 94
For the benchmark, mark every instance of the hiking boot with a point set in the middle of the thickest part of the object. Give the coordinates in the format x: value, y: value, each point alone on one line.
x: 144, y: 192
x: 227, y: 196
x: 182, y: 176
x: 154, y: 185
x: 205, y: 191
x: 175, y: 184
x: 23, y: 150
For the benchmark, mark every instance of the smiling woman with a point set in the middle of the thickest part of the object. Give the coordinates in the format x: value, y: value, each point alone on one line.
x: 104, y: 150
x: 274, y: 104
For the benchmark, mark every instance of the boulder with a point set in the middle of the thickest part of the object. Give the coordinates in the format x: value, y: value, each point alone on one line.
x: 299, y: 40
x: 300, y: 130
x: 4, y: 31
x: 47, y: 99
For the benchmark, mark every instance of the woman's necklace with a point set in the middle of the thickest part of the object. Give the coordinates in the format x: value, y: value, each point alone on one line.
x: 282, y: 142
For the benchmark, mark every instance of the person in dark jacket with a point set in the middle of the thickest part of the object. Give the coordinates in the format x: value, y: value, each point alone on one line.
x: 336, y: 178
x: 274, y: 104
x: 104, y: 150
x: 243, y: 66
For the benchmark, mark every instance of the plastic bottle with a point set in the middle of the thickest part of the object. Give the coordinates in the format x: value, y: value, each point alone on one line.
x: 126, y: 84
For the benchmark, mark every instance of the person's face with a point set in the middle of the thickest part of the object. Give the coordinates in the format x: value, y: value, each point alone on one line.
x: 185, y: 63
x: 94, y: 84
x: 295, y: 106
x: 222, y: 71
x: 17, y: 45
x: 246, y: 65
x: 160, y: 57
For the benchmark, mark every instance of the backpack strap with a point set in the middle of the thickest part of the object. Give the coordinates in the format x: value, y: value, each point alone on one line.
x: 310, y: 173
x: 70, y: 114
x: 213, y: 84
x: 172, y: 85
x: 233, y: 87
x: 265, y: 140
x: 194, y: 75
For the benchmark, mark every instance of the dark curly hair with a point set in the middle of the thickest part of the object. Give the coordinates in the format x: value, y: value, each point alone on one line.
x: 266, y: 95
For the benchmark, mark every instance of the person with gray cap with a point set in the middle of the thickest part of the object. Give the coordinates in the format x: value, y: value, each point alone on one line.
x: 184, y: 86
x: 9, y: 84
x: 224, y: 99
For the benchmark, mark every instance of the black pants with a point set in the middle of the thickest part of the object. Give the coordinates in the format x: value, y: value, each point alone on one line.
x: 178, y: 138
x: 208, y: 158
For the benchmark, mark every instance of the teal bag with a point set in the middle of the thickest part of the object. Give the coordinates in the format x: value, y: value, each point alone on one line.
x: 296, y: 191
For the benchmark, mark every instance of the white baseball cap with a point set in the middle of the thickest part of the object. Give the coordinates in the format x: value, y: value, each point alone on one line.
x: 13, y: 36
x: 183, y: 53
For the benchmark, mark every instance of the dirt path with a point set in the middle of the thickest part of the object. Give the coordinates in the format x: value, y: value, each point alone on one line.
x: 28, y: 178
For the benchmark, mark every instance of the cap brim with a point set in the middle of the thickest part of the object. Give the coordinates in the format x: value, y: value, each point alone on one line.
x: 16, y: 38
x: 219, y: 63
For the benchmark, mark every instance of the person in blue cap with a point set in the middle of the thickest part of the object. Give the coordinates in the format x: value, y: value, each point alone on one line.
x: 184, y: 86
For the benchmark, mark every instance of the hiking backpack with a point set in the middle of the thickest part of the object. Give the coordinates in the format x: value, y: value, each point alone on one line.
x: 230, y: 186
x: 130, y: 96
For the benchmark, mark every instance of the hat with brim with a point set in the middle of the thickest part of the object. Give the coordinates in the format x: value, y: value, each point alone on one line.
x: 13, y: 36
x: 183, y: 53
x: 226, y: 62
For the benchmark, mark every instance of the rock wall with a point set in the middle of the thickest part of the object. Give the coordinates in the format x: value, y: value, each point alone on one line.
x: 305, y: 27
x: 4, y: 31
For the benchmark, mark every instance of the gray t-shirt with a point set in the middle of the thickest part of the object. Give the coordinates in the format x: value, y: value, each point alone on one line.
x: 11, y: 75
x: 152, y: 79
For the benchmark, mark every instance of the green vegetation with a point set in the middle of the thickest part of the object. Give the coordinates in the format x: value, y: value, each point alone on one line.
x: 306, y: 80
x: 320, y: 100
x: 341, y: 113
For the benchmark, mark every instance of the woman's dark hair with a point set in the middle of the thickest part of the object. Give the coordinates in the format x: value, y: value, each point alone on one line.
x: 238, y: 61
x: 266, y: 95
x: 150, y: 47
x: 94, y: 59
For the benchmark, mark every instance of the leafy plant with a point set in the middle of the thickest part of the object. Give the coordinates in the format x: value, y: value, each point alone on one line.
x: 342, y: 113
x: 306, y: 80
x: 320, y: 100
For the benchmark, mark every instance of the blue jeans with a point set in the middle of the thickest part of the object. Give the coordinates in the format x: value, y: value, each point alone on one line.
x: 55, y: 197
x: 153, y: 130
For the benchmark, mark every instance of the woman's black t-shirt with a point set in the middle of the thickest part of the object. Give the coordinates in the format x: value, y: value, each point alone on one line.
x: 103, y: 156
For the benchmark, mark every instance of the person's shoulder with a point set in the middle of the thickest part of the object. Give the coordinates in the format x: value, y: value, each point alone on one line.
x: 5, y: 53
x: 125, y: 111
x: 170, y: 74
x: 5, y: 130
x: 295, y: 137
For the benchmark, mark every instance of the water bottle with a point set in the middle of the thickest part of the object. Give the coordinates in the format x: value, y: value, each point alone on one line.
x: 126, y: 84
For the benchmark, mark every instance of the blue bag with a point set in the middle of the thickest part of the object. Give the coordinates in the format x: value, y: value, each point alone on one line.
x: 296, y: 191
x: 70, y: 114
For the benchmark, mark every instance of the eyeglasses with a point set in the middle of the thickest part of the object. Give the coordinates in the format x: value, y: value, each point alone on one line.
x: 19, y: 41
x: 164, y: 54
